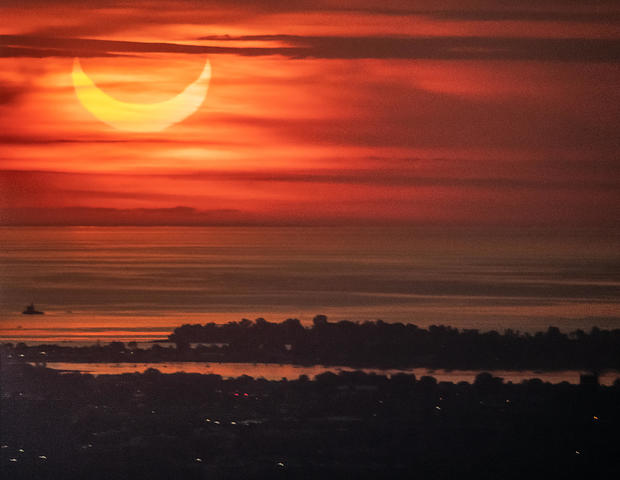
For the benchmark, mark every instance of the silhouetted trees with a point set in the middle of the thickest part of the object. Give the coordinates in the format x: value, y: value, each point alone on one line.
x: 397, y: 344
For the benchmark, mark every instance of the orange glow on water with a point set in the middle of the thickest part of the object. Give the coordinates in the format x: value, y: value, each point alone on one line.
x: 292, y: 372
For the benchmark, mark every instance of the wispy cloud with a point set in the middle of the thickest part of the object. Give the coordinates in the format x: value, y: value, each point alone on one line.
x: 335, y: 47
x: 443, y: 47
x: 115, y: 216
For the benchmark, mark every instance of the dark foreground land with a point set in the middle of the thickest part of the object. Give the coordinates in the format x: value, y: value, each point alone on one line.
x: 351, y: 425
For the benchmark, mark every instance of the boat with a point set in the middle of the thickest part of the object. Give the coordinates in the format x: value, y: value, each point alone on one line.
x: 30, y: 310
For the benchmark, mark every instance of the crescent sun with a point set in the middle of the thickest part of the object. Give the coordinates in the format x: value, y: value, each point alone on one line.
x: 139, y: 117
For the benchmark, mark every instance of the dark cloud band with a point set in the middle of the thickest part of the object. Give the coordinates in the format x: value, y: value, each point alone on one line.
x: 333, y: 47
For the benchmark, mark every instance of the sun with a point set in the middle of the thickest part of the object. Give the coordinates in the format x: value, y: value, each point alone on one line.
x: 140, y: 117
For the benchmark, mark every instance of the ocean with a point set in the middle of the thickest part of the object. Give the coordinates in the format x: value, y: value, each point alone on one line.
x: 138, y: 283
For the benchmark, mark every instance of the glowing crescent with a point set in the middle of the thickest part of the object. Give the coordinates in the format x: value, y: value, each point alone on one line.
x: 139, y: 117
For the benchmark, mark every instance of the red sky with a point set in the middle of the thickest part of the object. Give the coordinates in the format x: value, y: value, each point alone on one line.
x: 380, y: 112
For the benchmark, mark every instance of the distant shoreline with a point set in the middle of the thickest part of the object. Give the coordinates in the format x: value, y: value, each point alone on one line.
x: 377, y: 345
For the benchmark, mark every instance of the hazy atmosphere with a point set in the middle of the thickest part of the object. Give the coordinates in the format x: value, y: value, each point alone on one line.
x: 451, y: 112
x: 309, y: 239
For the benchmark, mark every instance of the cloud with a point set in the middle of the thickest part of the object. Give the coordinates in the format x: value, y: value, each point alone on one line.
x: 514, y: 14
x: 27, y: 46
x: 443, y: 48
x: 181, y: 215
x: 487, y: 8
x: 42, y: 140
x: 336, y: 47
x: 380, y: 177
x: 305, y: 197
x: 9, y: 94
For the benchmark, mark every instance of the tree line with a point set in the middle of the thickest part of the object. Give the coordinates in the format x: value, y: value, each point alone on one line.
x: 379, y: 343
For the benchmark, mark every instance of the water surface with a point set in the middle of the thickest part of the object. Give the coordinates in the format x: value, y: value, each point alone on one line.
x: 138, y: 283
x: 292, y: 372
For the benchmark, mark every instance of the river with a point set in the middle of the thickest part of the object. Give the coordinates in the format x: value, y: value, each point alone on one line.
x: 292, y: 372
